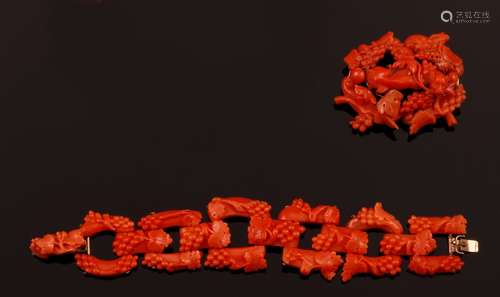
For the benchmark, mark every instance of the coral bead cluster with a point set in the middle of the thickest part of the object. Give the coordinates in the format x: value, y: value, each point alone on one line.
x: 151, y: 239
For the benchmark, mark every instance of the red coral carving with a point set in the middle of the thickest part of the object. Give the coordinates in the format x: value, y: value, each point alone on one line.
x: 95, y: 222
x: 106, y: 268
x: 140, y: 242
x: 262, y: 231
x: 221, y: 208
x: 439, y: 225
x: 376, y: 266
x: 265, y: 231
x: 59, y: 243
x: 431, y: 265
x: 302, y: 212
x: 205, y: 235
x: 249, y: 259
x: 406, y: 244
x: 190, y: 260
x: 375, y: 218
x: 421, y: 63
x: 308, y: 260
x: 341, y: 239
x: 170, y: 218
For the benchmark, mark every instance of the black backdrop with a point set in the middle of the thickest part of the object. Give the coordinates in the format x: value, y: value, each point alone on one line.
x: 132, y: 106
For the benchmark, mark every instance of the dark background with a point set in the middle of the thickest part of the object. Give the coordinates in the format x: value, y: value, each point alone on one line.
x: 132, y: 106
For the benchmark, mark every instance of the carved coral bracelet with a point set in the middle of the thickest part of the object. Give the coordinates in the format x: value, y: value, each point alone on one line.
x: 421, y: 65
x: 150, y: 239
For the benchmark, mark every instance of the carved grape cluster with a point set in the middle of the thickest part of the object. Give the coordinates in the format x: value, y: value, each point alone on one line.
x: 91, y: 265
x: 150, y: 222
x: 189, y: 260
x: 323, y: 241
x: 191, y: 238
x: 301, y: 204
x: 288, y: 232
x: 371, y: 54
x: 419, y: 224
x: 361, y: 122
x: 389, y: 265
x: 218, y: 258
x: 392, y: 244
x: 367, y: 216
x: 114, y: 223
x: 124, y: 243
x: 259, y: 208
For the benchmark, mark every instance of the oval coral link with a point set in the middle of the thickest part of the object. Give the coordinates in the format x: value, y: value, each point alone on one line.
x: 106, y: 268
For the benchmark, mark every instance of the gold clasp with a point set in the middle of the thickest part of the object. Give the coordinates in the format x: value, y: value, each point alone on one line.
x: 88, y: 245
x: 459, y: 244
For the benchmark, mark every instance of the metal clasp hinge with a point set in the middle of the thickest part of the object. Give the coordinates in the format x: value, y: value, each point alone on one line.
x: 86, y: 248
x: 459, y: 245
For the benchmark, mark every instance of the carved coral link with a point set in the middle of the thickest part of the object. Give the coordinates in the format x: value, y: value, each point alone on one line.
x: 431, y: 265
x: 407, y: 244
x: 308, y: 260
x: 249, y: 259
x: 170, y: 218
x: 265, y: 231
x: 140, y: 242
x: 221, y: 208
x: 439, y: 225
x: 341, y: 239
x: 58, y: 243
x: 376, y: 266
x: 375, y: 218
x: 106, y: 268
x: 190, y: 260
x: 95, y: 222
x: 302, y: 212
x: 205, y: 235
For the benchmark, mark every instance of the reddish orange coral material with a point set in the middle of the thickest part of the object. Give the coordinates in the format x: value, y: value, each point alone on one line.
x: 204, y: 235
x: 70, y: 242
x: 249, y: 259
x: 421, y: 64
x: 58, y: 243
x: 439, y: 225
x: 190, y: 260
x: 95, y: 222
x: 407, y: 244
x: 140, y: 242
x: 170, y: 218
x: 376, y: 266
x: 308, y: 260
x: 302, y: 212
x: 106, y: 268
x: 375, y: 218
x: 265, y: 231
x: 341, y: 239
x: 221, y: 208
x: 431, y: 265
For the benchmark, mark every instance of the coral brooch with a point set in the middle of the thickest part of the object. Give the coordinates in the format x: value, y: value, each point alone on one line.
x: 415, y: 82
